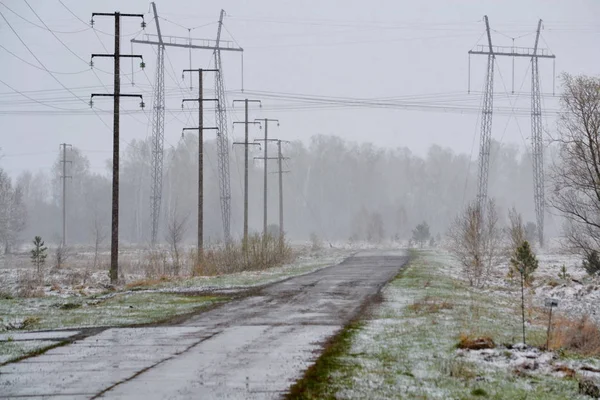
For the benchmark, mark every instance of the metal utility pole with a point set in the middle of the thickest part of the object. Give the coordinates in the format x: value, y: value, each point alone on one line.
x: 158, y: 132
x: 163, y: 41
x: 265, y: 122
x: 534, y: 53
x: 536, y: 141
x: 114, y: 247
x: 246, y: 143
x: 64, y: 178
x: 280, y: 172
x: 200, y: 130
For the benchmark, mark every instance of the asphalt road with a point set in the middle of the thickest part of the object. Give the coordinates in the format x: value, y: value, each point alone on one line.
x: 252, y: 348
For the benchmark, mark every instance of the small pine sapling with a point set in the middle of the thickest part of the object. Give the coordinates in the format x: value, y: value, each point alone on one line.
x: 38, y: 254
x: 563, y: 274
x: 525, y: 262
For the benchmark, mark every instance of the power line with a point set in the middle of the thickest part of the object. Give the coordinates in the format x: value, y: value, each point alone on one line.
x: 45, y: 27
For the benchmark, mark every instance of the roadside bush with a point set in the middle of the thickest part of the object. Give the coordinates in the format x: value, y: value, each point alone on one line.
x: 591, y: 263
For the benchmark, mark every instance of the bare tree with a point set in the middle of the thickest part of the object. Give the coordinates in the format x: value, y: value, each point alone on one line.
x: 99, y: 233
x: 576, y: 176
x: 13, y: 215
x: 176, y: 228
x: 474, y: 239
x: 61, y: 255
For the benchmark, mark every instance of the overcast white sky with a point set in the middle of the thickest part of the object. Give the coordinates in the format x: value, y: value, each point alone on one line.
x: 412, y: 51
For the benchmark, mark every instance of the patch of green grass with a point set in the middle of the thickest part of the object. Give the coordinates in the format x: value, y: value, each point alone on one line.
x: 315, y: 383
x: 121, y: 309
x: 401, y: 354
x: 479, y: 392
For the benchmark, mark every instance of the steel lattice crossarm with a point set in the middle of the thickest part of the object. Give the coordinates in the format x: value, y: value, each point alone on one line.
x: 187, y: 43
x: 512, y: 51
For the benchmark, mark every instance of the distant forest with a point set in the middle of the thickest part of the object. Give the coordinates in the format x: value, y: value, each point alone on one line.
x: 335, y: 189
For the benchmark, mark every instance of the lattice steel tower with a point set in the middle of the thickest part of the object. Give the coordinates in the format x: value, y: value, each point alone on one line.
x: 158, y: 118
x: 486, y: 124
x: 537, y: 150
x: 158, y: 133
x: 222, y: 139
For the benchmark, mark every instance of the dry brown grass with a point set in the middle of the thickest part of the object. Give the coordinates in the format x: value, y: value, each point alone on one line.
x: 580, y: 335
x: 469, y: 342
x: 29, y: 285
x: 429, y: 305
x: 568, y: 372
x: 261, y: 253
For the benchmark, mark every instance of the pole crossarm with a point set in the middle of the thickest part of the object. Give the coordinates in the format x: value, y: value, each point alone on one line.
x: 204, y: 128
x: 188, y: 43
x: 246, y: 101
x: 184, y: 100
x: 120, y: 95
x: 116, y: 13
x: 120, y: 55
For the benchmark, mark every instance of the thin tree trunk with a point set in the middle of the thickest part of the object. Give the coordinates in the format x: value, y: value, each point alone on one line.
x: 523, y: 303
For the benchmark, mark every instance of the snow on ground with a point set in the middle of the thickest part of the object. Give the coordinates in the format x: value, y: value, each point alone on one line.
x: 407, y: 347
x: 15, y: 349
x: 578, y: 293
x: 78, y: 278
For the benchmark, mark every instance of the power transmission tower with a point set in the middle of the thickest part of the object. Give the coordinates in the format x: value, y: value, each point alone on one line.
x: 217, y: 46
x: 222, y: 139
x: 486, y: 124
x: 246, y: 143
x: 534, y: 53
x: 158, y: 132
x: 114, y: 246
x: 200, y: 130
x: 536, y: 140
x: 265, y: 121
x: 64, y: 178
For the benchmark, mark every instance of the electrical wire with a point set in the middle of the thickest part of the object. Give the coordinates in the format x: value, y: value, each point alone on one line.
x: 40, y: 68
x: 39, y: 26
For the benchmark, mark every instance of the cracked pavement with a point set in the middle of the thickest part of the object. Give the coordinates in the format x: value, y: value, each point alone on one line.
x: 251, y: 348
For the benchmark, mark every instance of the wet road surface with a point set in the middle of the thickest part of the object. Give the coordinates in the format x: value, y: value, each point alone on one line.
x: 252, y: 348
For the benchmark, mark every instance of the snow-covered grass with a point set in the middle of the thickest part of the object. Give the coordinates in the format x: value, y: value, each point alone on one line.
x: 12, y: 350
x: 407, y: 348
x: 117, y: 309
x: 146, y: 302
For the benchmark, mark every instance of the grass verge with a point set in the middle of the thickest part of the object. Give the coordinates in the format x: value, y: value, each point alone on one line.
x: 407, y: 348
x: 122, y: 309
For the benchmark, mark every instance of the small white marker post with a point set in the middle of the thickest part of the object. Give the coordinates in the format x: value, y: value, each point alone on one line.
x: 550, y: 302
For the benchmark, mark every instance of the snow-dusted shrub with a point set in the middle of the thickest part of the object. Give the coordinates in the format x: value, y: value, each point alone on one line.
x: 591, y: 263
